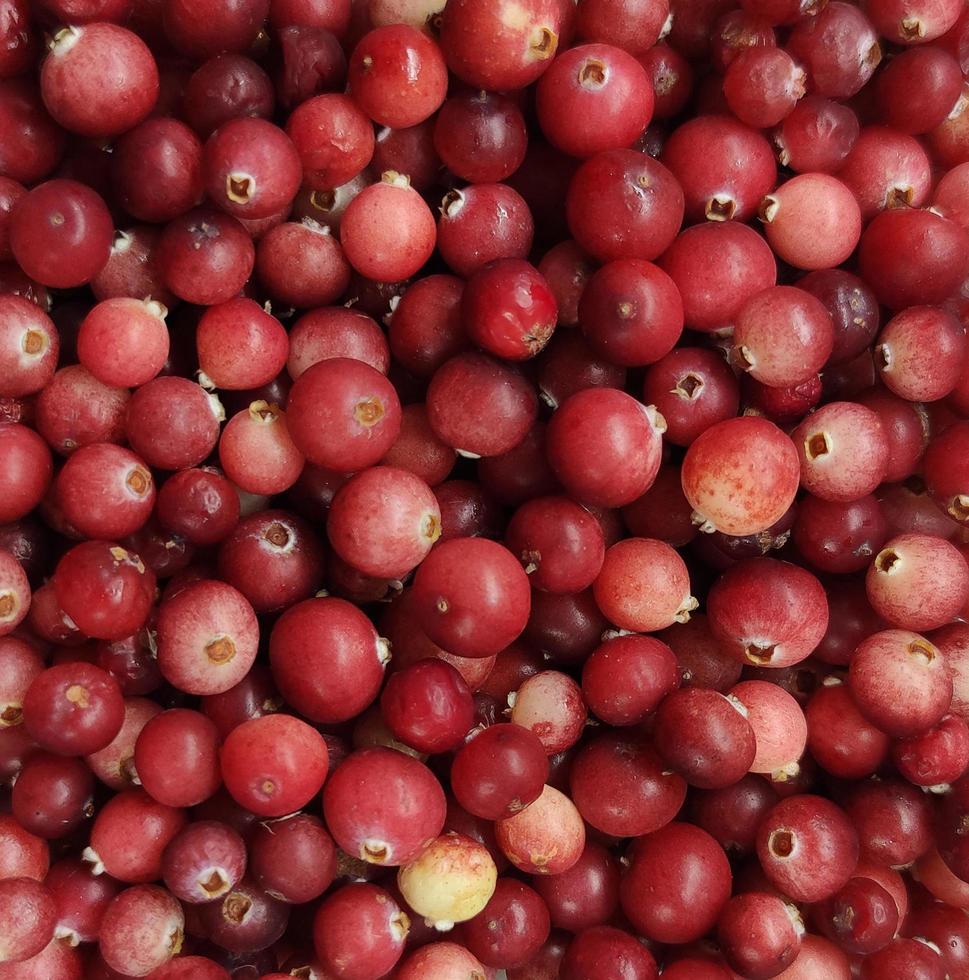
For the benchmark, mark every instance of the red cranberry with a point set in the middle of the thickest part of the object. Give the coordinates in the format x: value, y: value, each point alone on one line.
x: 644, y: 796
x: 488, y: 51
x: 747, y: 453
x: 480, y: 406
x: 840, y: 738
x: 99, y: 79
x: 603, y: 185
x: 273, y: 765
x: 701, y: 155
x: 676, y: 885
x: 389, y: 828
x: 227, y: 86
x: 129, y: 836
x: 227, y: 27
x: 789, y: 842
x: 480, y: 136
x: 293, y: 858
x: 343, y: 414
x: 105, y: 590
x: 362, y: 925
x: 205, y: 256
x: 61, y: 233
x: 428, y: 706
x: 471, y: 597
x: 327, y: 659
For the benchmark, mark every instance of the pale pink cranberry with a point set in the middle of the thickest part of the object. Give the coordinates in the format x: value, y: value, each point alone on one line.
x: 812, y: 221
x: 900, y: 682
x: 779, y: 726
x: 550, y: 704
x: 545, y: 838
x: 207, y: 638
x: 918, y: 582
x: 843, y: 451
x: 740, y: 476
x: 644, y: 586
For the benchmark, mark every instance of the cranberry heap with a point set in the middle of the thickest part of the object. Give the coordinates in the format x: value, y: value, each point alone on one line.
x: 484, y: 489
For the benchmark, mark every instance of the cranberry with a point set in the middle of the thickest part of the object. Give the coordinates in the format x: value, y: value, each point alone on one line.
x: 207, y: 637
x: 897, y: 23
x: 187, y: 742
x: 471, y: 596
x: 549, y: 703
x: 105, y: 590
x: 257, y: 451
x: 677, y: 884
x: 759, y: 934
x: 910, y: 957
x: 790, y: 838
x: 428, y: 706
x: 843, y: 450
x: 480, y: 406
x: 33, y: 142
x: 724, y: 167
x: 909, y: 564
x: 293, y: 858
x: 390, y: 93
x: 480, y: 136
x: 594, y: 97
x: 629, y: 184
x: 902, y: 239
x: 302, y: 264
x: 334, y: 140
x: 203, y: 862
x: 387, y: 231
x: 52, y: 796
x: 200, y: 505
x: 310, y: 61
x: 740, y: 476
x: 779, y: 727
x: 343, y: 414
x: 893, y: 661
x: 862, y: 917
x: 816, y: 136
x: 274, y: 764
x: 768, y: 613
x: 245, y: 919
x: 327, y: 659
x: 838, y: 48
x: 441, y: 958
x: 129, y: 836
x: 61, y: 233
x: 99, y: 79
x: 840, y: 738
x: 920, y: 352
x: 205, y: 256
x: 225, y: 27
x: 499, y: 772
x: 227, y: 86
x: 362, y: 925
x: 141, y: 930
x: 489, y: 51
x: 105, y: 491
x: 390, y: 828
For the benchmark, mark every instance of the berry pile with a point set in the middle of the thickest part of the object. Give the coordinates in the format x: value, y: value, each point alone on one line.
x: 484, y: 489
